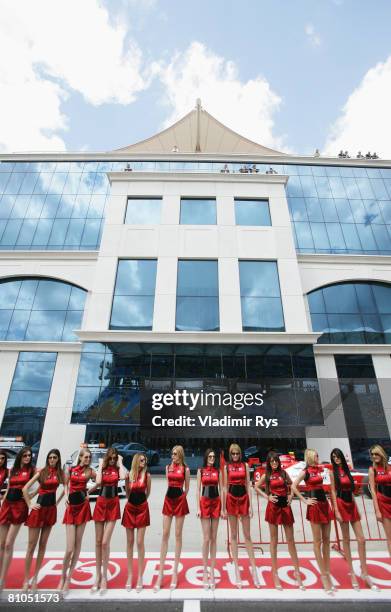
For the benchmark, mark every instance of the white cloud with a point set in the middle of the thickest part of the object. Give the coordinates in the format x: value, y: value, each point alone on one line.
x: 51, y: 47
x: 365, y: 120
x: 246, y: 107
x: 312, y: 35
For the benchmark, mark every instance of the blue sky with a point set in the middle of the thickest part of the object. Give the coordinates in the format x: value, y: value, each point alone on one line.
x: 291, y: 74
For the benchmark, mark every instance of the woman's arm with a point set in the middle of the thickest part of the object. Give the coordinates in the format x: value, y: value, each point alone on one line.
x: 248, y: 489
x: 371, y: 477
x: 99, y: 473
x: 259, y: 488
x: 333, y: 495
x: 295, y: 488
x: 198, y: 492
x: 63, y: 490
x: 122, y: 469
x: 149, y: 483
x: 187, y: 480
x: 224, y: 492
x: 95, y: 486
x: 25, y: 490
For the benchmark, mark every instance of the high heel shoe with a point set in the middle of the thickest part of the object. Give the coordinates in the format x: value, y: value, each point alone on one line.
x: 238, y: 580
x: 299, y: 580
x: 255, y: 577
x: 95, y: 588
x: 33, y: 585
x: 65, y: 588
x: 277, y: 583
x: 368, y: 580
x: 25, y: 586
x: 174, y: 582
x: 354, y: 581
x: 332, y: 586
x: 103, y: 589
x: 158, y: 583
x: 139, y: 587
x: 212, y: 583
x: 326, y: 584
x: 205, y: 581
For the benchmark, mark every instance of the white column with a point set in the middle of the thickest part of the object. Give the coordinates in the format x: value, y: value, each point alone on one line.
x: 8, y: 360
x: 382, y: 366
x: 57, y: 430
x: 334, y: 431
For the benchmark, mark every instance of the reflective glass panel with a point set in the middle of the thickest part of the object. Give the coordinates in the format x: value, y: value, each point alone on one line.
x: 252, y: 212
x: 197, y: 305
x: 134, y: 294
x: 201, y: 211
x: 260, y: 296
x: 143, y: 211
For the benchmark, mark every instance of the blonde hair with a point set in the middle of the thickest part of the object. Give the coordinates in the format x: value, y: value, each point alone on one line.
x: 377, y: 448
x: 135, y: 467
x: 235, y: 447
x: 309, y: 456
x: 181, y: 453
x: 83, y: 451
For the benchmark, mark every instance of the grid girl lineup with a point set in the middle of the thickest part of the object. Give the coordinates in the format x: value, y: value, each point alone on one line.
x: 224, y: 493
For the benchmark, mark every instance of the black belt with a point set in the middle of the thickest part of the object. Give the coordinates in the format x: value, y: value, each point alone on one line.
x: 319, y: 494
x: 14, y: 495
x: 384, y: 490
x: 137, y: 497
x: 109, y: 491
x: 237, y: 490
x: 174, y: 492
x: 282, y: 501
x: 76, y: 498
x: 346, y: 496
x: 46, y: 499
x: 211, y: 491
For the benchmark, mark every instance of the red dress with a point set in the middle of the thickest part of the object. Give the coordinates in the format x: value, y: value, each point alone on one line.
x: 46, y: 515
x: 3, y: 476
x: 321, y: 511
x: 383, y: 485
x: 278, y: 513
x: 175, y: 501
x: 210, y: 502
x: 107, y: 507
x: 136, y: 511
x: 14, y: 510
x: 238, y: 501
x: 345, y: 501
x: 77, y: 511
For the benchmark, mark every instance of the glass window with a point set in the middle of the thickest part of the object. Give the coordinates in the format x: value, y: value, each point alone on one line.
x: 252, y: 212
x: 38, y: 309
x: 134, y: 294
x: 143, y: 211
x: 27, y: 402
x: 352, y: 313
x: 260, y: 296
x: 198, y: 211
x: 197, y: 307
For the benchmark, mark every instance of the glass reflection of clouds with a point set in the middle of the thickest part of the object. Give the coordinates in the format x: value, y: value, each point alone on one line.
x: 260, y: 296
x: 143, y: 211
x: 134, y: 294
x: 37, y: 309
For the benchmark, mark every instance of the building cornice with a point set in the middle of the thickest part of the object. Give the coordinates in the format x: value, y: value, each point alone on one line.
x: 211, y: 177
x: 316, y: 258
x: 349, y: 349
x: 43, y: 347
x: 197, y: 337
x: 50, y: 255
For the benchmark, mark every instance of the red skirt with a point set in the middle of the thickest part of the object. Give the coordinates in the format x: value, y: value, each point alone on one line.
x: 136, y: 516
x: 348, y: 511
x: 13, y: 513
x: 277, y: 515
x: 319, y: 513
x: 175, y: 506
x: 77, y: 514
x: 46, y: 516
x: 106, y: 509
x: 384, y: 505
x: 210, y: 507
x: 238, y: 506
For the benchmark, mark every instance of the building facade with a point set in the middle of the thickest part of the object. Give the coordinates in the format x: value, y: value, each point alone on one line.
x: 195, y: 260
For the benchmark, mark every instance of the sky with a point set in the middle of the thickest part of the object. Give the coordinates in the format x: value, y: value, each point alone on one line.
x: 98, y: 75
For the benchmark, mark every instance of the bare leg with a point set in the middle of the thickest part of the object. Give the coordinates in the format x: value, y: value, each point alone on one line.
x: 107, y: 533
x: 32, y: 543
x: 206, y: 529
x: 213, y: 548
x: 76, y: 551
x: 361, y: 545
x: 129, y: 555
x: 179, y: 520
x: 70, y: 546
x: 43, y: 540
x: 233, y: 529
x: 140, y: 556
x: 325, y: 529
x: 387, y: 529
x: 99, y: 527
x: 273, y: 554
x: 290, y: 540
x: 345, y: 528
x: 167, y: 520
x: 317, y: 541
x: 8, y: 535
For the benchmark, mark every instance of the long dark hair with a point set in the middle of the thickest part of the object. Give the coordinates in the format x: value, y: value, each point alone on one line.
x: 18, y: 461
x: 206, y: 454
x: 111, y: 452
x: 3, y: 453
x: 45, y: 471
x: 273, y: 455
x: 338, y: 453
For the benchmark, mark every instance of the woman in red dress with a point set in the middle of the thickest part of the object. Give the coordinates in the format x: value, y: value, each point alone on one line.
x: 43, y: 514
x: 175, y: 504
x: 106, y: 513
x: 14, y: 510
x: 380, y: 481
x: 209, y: 485
x: 136, y: 515
x: 77, y: 513
x: 3, y: 471
x: 277, y: 485
x: 237, y: 505
x: 346, y: 513
x: 318, y: 513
